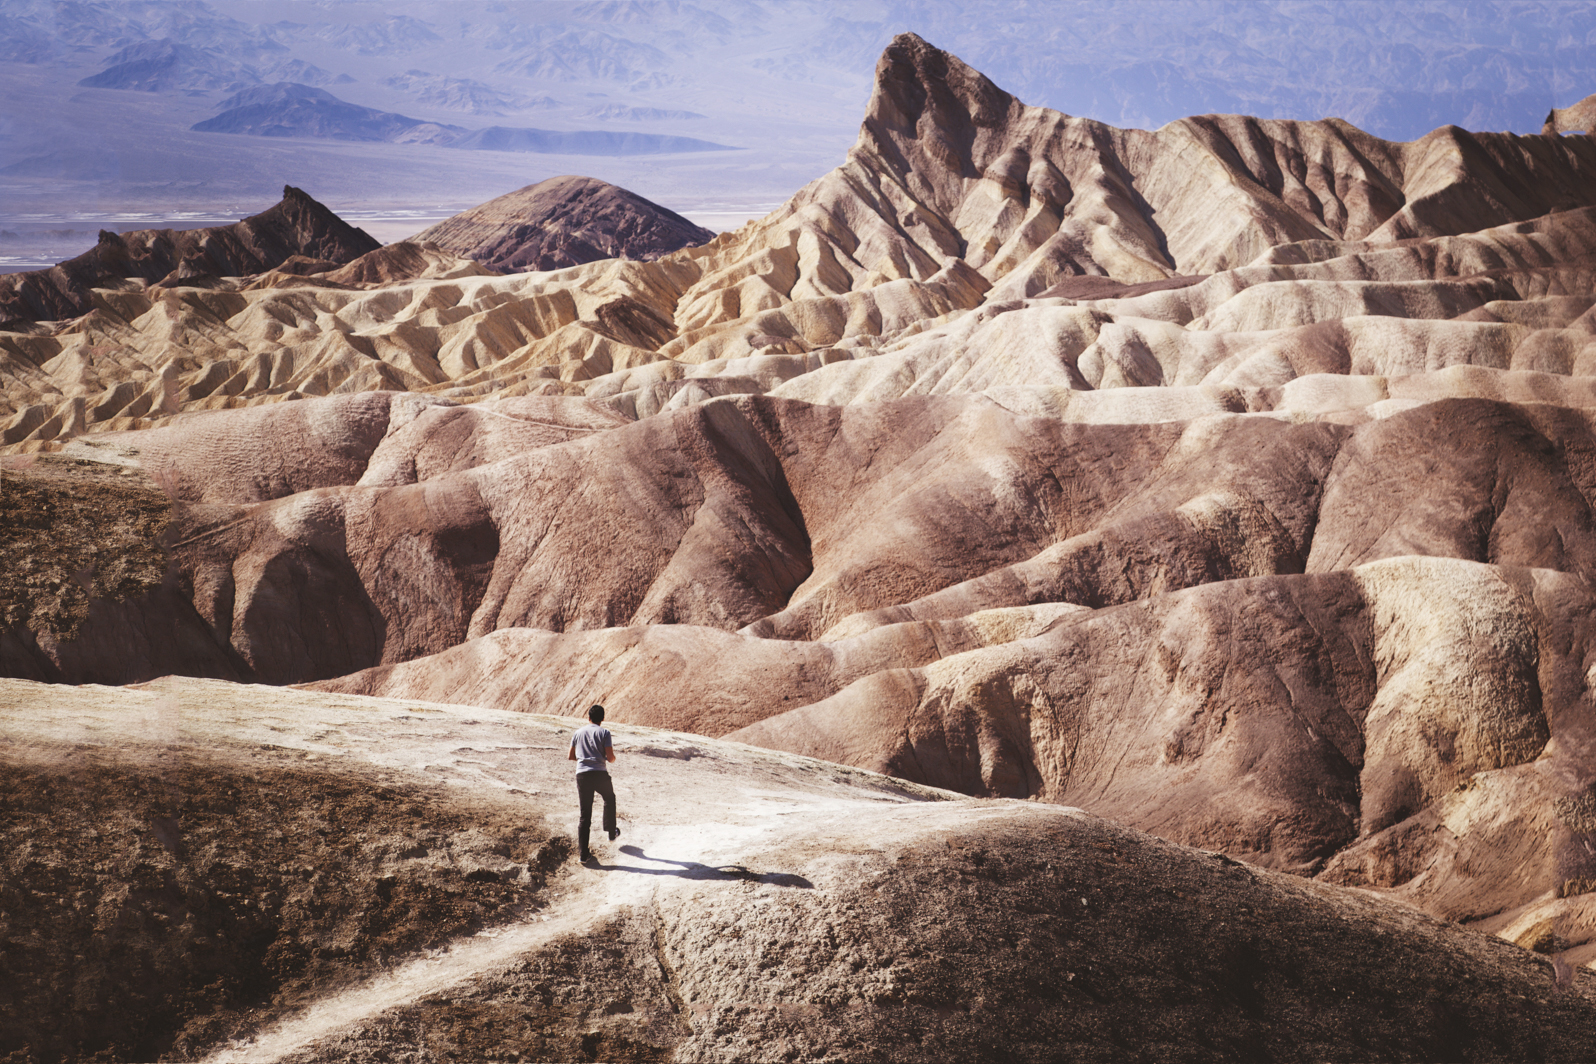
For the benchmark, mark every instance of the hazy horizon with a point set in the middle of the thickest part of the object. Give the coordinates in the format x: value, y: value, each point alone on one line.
x: 783, y: 84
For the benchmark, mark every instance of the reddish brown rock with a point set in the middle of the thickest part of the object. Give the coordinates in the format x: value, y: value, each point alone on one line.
x: 266, y: 452
x: 564, y: 221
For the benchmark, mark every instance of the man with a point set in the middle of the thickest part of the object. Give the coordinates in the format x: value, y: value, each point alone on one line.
x: 591, y: 748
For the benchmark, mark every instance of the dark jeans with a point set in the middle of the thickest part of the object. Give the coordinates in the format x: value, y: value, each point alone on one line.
x: 587, y: 785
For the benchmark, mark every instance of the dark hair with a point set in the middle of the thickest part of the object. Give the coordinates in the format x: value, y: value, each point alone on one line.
x: 596, y: 714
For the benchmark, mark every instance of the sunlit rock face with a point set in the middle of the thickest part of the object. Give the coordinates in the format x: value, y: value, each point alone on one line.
x: 1232, y: 481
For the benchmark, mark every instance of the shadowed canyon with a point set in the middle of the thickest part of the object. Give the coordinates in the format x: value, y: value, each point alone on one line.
x: 1061, y: 592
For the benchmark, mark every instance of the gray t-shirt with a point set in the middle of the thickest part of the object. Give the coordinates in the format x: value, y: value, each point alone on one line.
x: 590, y: 742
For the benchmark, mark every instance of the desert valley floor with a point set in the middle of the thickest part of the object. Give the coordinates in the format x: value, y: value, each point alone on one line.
x: 1060, y: 592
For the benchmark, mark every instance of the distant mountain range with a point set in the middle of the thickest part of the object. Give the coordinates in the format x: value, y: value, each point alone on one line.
x: 165, y: 66
x: 1397, y: 69
x: 782, y: 79
x: 463, y: 94
x: 290, y: 110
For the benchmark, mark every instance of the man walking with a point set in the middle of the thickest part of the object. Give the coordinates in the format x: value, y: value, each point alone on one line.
x: 591, y: 748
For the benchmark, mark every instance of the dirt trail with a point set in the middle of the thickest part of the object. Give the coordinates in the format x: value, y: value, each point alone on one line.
x: 588, y: 900
x: 796, y: 909
x: 628, y: 876
x: 692, y: 810
x: 417, y: 979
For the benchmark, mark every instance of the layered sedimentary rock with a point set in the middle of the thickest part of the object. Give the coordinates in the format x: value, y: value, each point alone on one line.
x: 956, y: 198
x: 564, y: 221
x: 1234, y: 480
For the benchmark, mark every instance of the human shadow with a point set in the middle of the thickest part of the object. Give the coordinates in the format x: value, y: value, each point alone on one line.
x: 695, y: 870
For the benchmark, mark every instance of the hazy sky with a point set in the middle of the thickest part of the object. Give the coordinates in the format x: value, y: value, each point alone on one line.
x: 784, y: 82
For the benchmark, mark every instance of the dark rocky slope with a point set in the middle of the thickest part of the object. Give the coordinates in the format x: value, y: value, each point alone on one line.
x: 562, y: 222
x: 298, y: 225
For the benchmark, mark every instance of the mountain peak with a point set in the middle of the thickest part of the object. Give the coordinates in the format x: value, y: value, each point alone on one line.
x: 915, y: 79
x: 561, y: 222
x: 281, y: 92
x: 929, y: 116
x: 297, y: 225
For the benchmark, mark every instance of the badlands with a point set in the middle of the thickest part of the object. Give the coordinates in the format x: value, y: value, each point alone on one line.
x: 1061, y: 593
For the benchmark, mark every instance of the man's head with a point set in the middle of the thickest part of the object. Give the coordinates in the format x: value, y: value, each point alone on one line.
x: 596, y: 714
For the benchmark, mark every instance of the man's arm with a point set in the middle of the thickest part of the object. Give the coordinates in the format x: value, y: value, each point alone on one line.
x: 571, y: 754
x: 609, y: 753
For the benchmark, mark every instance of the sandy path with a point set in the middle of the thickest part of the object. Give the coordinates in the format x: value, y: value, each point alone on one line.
x: 412, y: 981
x: 590, y: 897
x: 587, y: 899
x: 689, y: 806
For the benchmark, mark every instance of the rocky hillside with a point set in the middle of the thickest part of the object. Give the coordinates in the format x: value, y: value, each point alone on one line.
x: 296, y: 227
x: 241, y: 874
x: 957, y: 198
x: 564, y: 221
x: 1234, y: 481
x: 1577, y: 117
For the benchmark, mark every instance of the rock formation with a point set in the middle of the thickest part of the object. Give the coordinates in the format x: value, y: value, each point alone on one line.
x: 957, y: 198
x: 1575, y: 118
x: 296, y: 226
x: 1234, y: 481
x: 564, y: 221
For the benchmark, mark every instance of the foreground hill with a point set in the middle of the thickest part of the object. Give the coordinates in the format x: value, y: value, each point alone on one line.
x: 255, y: 874
x: 932, y: 587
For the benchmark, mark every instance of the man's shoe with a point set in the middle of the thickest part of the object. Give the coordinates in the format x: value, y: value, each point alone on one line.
x: 615, y: 833
x: 588, y: 858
